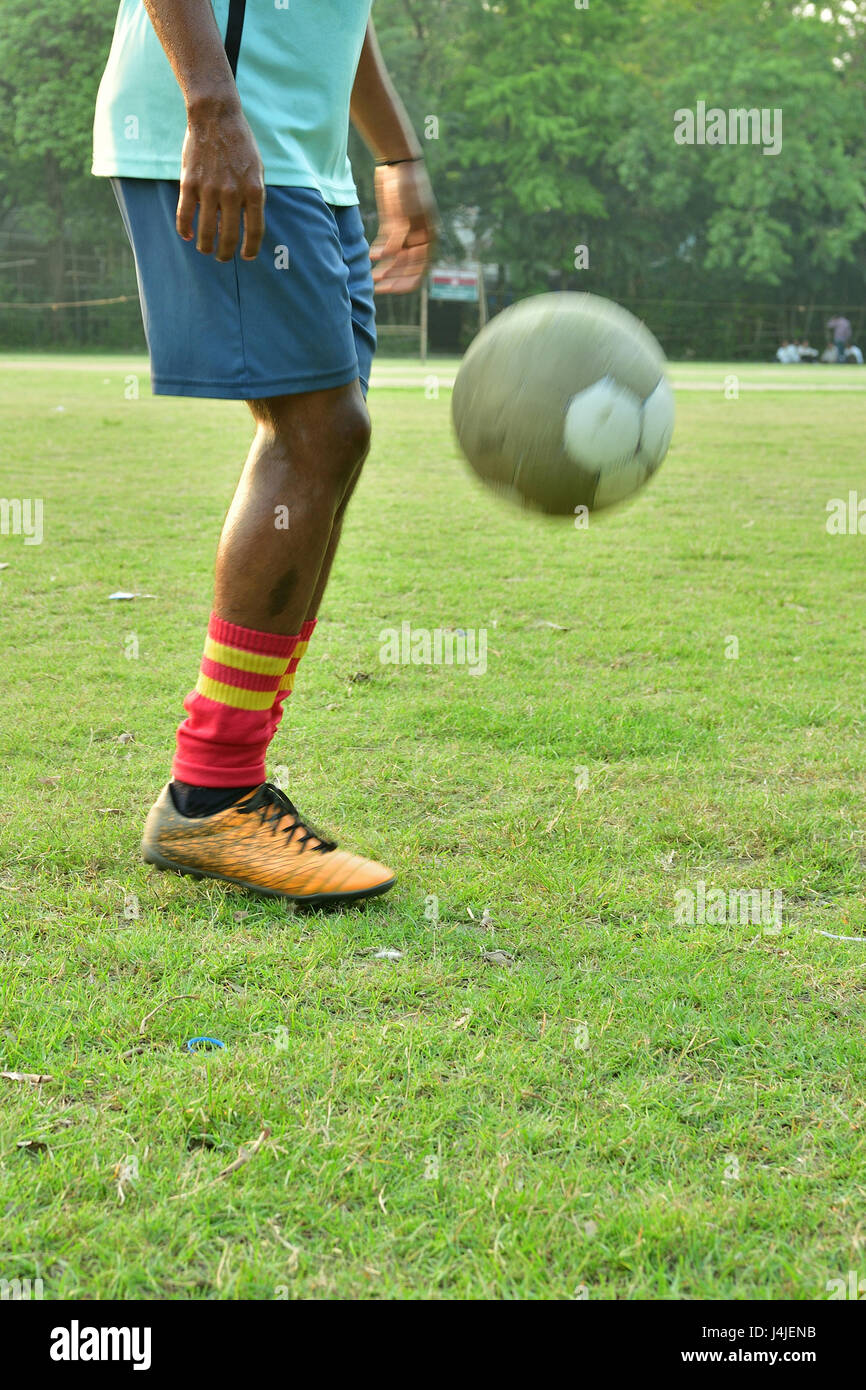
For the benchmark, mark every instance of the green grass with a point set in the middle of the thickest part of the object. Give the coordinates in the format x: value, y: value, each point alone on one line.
x: 438, y: 1127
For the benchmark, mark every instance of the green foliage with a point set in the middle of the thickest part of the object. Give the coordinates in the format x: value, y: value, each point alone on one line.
x: 546, y: 127
x: 556, y: 129
x: 770, y: 218
x: 51, y: 57
x: 51, y: 60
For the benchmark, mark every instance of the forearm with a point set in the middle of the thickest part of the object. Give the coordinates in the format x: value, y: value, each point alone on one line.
x: 221, y: 171
x: 378, y: 114
x: 193, y: 45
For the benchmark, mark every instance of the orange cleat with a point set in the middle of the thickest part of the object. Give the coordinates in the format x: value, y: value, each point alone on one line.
x: 259, y: 843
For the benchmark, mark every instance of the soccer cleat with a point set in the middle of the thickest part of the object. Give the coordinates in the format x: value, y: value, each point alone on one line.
x: 259, y: 843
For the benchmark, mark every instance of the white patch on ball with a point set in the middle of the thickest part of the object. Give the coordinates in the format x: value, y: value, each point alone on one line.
x: 602, y: 426
x: 658, y: 425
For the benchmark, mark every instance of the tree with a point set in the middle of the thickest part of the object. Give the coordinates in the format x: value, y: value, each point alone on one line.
x: 51, y: 59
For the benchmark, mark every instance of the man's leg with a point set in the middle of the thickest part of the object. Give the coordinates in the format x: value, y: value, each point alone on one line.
x: 309, y: 624
x: 333, y: 543
x: 278, y: 538
x: 305, y: 459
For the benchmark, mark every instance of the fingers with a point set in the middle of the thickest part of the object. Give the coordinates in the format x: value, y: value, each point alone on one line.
x: 389, y: 242
x: 207, y: 221
x: 230, y: 227
x: 219, y: 221
x: 407, y: 228
x: 388, y: 255
x: 186, y: 206
x: 254, y: 223
x: 400, y: 255
x: 404, y: 271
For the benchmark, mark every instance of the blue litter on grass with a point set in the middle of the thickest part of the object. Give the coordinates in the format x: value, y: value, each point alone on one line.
x: 211, y: 1042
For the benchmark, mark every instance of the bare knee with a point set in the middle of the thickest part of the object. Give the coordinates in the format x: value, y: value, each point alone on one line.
x: 323, y: 434
x: 350, y: 438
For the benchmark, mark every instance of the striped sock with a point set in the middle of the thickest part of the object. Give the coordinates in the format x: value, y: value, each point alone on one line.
x: 288, y: 679
x: 230, y: 714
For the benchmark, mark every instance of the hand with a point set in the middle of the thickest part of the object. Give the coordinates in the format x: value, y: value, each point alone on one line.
x: 407, y: 227
x: 221, y: 173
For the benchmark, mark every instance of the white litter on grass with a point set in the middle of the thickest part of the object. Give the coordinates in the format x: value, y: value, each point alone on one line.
x: 835, y: 937
x: 121, y: 594
x: 5, y: 565
x: 387, y: 953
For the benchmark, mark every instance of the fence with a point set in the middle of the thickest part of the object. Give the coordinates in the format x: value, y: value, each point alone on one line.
x: 72, y: 300
x: 91, y: 304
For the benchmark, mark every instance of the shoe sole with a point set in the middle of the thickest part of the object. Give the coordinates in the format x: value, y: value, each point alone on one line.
x: 152, y: 856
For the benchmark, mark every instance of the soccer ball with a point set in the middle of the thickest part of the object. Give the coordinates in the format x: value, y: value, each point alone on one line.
x: 562, y: 402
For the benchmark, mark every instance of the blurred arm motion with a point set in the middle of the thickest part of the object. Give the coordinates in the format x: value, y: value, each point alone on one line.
x: 407, y: 208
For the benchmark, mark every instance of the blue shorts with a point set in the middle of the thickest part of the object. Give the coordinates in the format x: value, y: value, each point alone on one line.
x: 300, y: 317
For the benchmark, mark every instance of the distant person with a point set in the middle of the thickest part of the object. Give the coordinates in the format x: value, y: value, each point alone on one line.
x: 807, y: 352
x: 841, y: 329
x: 787, y: 352
x: 829, y: 354
x: 853, y: 354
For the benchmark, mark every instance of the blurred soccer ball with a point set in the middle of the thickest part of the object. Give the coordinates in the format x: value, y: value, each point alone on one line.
x: 562, y: 401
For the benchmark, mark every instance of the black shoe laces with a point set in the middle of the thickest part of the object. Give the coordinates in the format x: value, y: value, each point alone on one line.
x: 274, y: 808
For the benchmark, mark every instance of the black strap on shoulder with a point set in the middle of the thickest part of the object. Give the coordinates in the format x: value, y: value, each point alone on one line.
x: 234, y: 30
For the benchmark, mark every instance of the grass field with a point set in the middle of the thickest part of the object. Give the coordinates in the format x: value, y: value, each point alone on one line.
x: 585, y: 1098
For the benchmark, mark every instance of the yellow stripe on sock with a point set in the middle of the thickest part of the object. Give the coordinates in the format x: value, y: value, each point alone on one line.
x: 233, y: 695
x: 244, y: 661
x: 288, y: 681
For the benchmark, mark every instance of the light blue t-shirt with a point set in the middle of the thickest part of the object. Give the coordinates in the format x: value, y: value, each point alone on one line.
x: 296, y: 66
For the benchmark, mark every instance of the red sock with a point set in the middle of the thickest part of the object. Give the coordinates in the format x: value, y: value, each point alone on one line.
x: 288, y: 680
x: 230, y: 714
